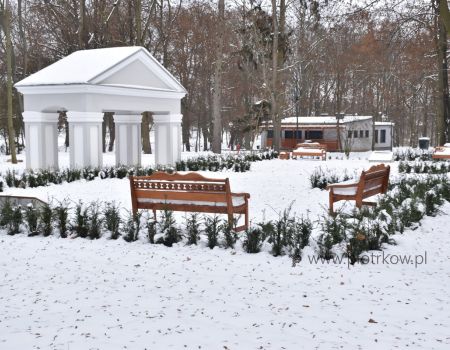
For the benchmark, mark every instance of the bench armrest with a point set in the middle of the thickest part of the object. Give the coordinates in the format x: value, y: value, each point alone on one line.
x: 245, y: 195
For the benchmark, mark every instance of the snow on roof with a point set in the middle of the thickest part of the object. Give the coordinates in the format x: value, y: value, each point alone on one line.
x: 325, y: 119
x: 80, y: 67
x: 384, y: 123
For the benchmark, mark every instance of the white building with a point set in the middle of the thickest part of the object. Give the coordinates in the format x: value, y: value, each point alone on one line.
x: 125, y: 80
x: 355, y: 133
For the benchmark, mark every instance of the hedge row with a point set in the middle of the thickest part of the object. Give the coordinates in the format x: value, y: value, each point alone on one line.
x: 421, y: 167
x: 238, y: 163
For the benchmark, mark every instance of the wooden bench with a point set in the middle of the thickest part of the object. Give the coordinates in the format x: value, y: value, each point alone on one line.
x: 284, y: 155
x: 371, y: 182
x: 311, y: 149
x: 442, y: 152
x: 189, y: 192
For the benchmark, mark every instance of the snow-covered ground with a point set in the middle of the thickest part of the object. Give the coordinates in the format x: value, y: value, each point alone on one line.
x: 81, y: 294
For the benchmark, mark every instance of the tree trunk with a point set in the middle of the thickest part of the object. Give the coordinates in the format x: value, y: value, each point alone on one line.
x: 205, y: 138
x: 66, y: 140
x: 138, y: 20
x: 185, y: 131
x: 22, y: 39
x: 9, y: 80
x: 443, y: 109
x: 145, y: 133
x: 112, y: 132
x: 217, y: 119
x: 105, y: 120
x: 81, y: 26
x: 273, y: 95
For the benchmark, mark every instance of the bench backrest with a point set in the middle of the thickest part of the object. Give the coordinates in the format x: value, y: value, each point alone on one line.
x: 312, y: 145
x: 187, y: 187
x: 374, y: 181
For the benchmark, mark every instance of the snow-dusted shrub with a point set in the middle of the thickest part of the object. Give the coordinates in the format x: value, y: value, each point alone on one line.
x: 168, y: 232
x: 237, y: 163
x: 61, y: 212
x: 325, y: 246
x: 321, y: 178
x: 253, y: 240
x: 410, y: 212
x: 46, y: 219
x: 95, y: 221
x: 432, y: 201
x: 229, y: 235
x: 16, y: 220
x: 212, y: 229
x: 300, y: 238
x: 32, y: 220
x: 132, y: 226
x: 151, y: 229
x: 424, y: 167
x: 72, y: 175
x: 6, y: 213
x: 112, y: 220
x: 80, y: 226
x: 192, y: 228
x: 121, y: 172
x: 367, y: 231
x: 410, y: 154
x: 282, y: 231
x: 334, y: 227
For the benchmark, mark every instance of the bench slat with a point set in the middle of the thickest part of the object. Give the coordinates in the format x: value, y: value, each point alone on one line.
x: 187, y: 195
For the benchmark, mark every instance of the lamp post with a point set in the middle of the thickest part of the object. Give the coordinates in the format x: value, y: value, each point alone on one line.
x: 339, y: 117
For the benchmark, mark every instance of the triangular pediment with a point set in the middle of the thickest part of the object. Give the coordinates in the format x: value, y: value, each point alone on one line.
x: 140, y: 70
x: 136, y: 73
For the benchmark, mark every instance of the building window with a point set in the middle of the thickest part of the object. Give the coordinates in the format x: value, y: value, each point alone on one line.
x: 355, y: 134
x: 314, y: 134
x: 376, y: 136
x: 349, y: 135
x: 367, y: 133
x: 383, y: 136
x: 290, y: 134
x: 361, y: 133
x: 270, y: 134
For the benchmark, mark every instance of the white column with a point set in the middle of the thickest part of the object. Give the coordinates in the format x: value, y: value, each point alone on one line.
x: 128, y: 139
x: 85, y: 139
x: 41, y: 137
x: 167, y: 138
x: 263, y: 139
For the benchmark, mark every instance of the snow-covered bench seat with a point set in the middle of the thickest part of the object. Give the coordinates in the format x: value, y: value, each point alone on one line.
x: 310, y: 149
x: 442, y: 152
x: 371, y: 182
x: 190, y: 192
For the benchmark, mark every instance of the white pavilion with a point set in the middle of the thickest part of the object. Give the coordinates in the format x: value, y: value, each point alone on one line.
x: 125, y: 80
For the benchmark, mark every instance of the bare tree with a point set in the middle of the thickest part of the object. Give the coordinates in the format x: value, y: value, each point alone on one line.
x: 217, y: 118
x: 6, y: 24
